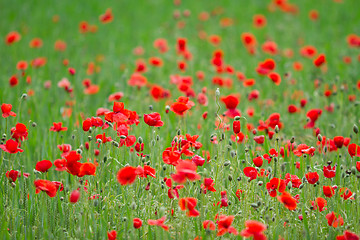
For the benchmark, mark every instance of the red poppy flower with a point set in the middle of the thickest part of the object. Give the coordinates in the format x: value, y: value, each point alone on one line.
x: 12, y: 175
x: 288, y: 201
x: 319, y: 203
x: 348, y: 235
x: 312, y: 177
x: 354, y: 150
x: 339, y: 141
x: 328, y: 191
x: 251, y: 172
x: 270, y: 47
x: 153, y: 119
x: 275, y: 77
x: 173, y: 191
x: 345, y: 193
x: 115, y: 96
x: 181, y: 105
x: 189, y: 204
x: 259, y: 139
x: 295, y: 180
x: 199, y: 161
x: 137, y: 80
x: 333, y: 220
x: 145, y: 171
x: 11, y: 146
x: 259, y: 20
x: 329, y: 172
x: 185, y: 170
x: 19, y: 132
x: 43, y: 166
x: 320, y: 60
x: 12, y: 37
x: 224, y: 225
x: 137, y: 223
x: 358, y: 166
x: 60, y: 164
x: 74, y: 196
x: 36, y: 43
x: 258, y: 161
x: 308, y: 51
x: 275, y: 184
x: 58, y: 127
x: 126, y: 175
x: 208, y: 185
x: 254, y: 229
x: 159, y: 222
x: 112, y: 235
x: 87, y: 169
x: 6, y: 110
x: 266, y: 67
x: 208, y: 224
x: 107, y: 17
x: 313, y: 115
x: 46, y: 186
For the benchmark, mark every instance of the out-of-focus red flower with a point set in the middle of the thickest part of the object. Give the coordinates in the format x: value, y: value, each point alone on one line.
x: 6, y: 110
x: 43, y: 166
x: 254, y: 229
x: 46, y: 186
x: 126, y: 175
x: 153, y: 119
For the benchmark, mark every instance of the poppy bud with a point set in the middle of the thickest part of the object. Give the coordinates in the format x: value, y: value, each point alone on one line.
x: 319, y: 137
x: 79, y: 151
x: 227, y: 163
x: 355, y: 129
x: 222, y: 136
x: 239, y: 179
x: 217, y: 92
x: 277, y: 129
x: 167, y: 109
x: 24, y: 96
x: 179, y: 132
x: 232, y: 154
x: 116, y: 144
x: 124, y: 219
x: 123, y: 137
x: 230, y: 178
x: 292, y: 140
x: 133, y: 206
x: 74, y: 196
x: 33, y: 124
x: 150, y: 107
x: 147, y: 187
x: 353, y: 170
x: 71, y: 71
x: 254, y: 205
x: 289, y: 185
x: 260, y: 183
x: 164, y: 167
x: 157, y: 138
x: 89, y: 138
x: 140, y: 140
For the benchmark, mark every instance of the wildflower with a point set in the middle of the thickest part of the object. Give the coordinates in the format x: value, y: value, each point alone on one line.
x: 208, y: 185
x: 112, y: 235
x: 153, y: 119
x: 58, y: 127
x: 185, y: 170
x: 126, y: 175
x: 312, y: 177
x: 250, y: 172
x: 12, y: 175
x: 74, y: 196
x: 224, y: 225
x: 254, y: 229
x: 6, y: 110
x: 11, y: 146
x: 333, y: 220
x: 46, y: 186
x: 288, y: 201
x: 189, y: 204
x: 137, y: 223
x: 43, y: 166
x: 275, y: 184
x: 159, y: 222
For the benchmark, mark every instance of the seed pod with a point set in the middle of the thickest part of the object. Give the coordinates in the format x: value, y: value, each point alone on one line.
x: 292, y: 140
x: 355, y: 129
x: 140, y: 140
x: 227, y: 163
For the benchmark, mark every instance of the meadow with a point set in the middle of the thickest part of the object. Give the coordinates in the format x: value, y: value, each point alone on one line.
x: 179, y: 119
